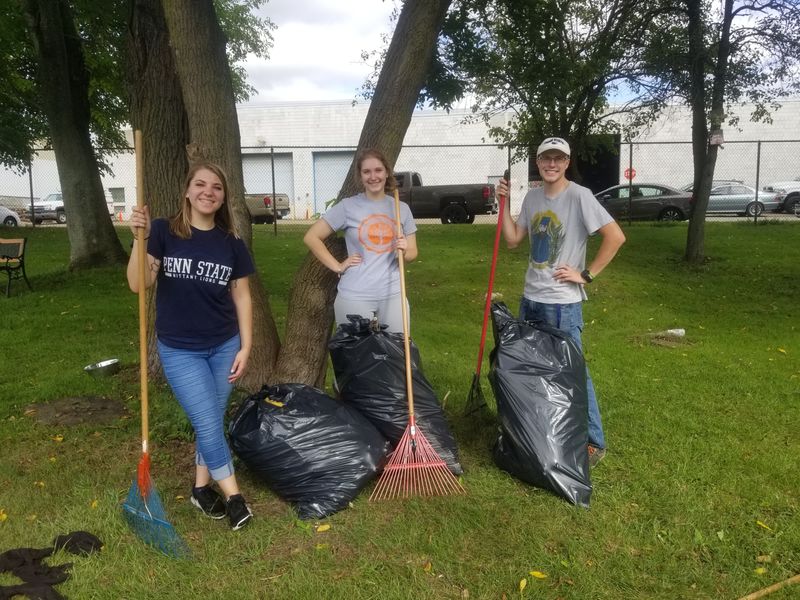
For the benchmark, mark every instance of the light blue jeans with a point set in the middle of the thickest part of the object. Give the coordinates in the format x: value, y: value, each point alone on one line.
x: 569, y: 319
x: 199, y: 380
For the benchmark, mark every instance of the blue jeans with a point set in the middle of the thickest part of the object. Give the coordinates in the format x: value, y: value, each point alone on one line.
x: 199, y: 380
x: 569, y: 319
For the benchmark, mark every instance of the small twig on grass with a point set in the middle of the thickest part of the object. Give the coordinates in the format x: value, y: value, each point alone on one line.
x: 773, y: 588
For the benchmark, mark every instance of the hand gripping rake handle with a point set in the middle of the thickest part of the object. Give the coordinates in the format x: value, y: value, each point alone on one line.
x: 406, y: 342
x: 143, y: 474
x: 488, y: 305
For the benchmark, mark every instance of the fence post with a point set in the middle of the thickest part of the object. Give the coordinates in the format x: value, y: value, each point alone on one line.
x: 630, y: 180
x: 30, y: 188
x: 274, y: 199
x: 758, y: 176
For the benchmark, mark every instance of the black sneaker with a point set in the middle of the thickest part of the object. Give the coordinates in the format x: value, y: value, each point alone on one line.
x: 238, y: 512
x: 209, y: 501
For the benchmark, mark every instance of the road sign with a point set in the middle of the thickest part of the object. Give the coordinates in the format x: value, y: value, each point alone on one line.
x: 629, y: 174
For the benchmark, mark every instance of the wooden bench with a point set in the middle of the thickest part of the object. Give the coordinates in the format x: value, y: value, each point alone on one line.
x: 12, y: 261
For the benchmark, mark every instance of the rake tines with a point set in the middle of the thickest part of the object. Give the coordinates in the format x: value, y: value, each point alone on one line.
x: 415, y: 469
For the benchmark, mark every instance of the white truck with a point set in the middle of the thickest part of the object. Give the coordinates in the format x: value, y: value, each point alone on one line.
x: 790, y: 193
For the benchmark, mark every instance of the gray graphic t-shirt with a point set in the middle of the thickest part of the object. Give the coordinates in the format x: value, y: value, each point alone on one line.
x: 558, y: 229
x: 370, y: 230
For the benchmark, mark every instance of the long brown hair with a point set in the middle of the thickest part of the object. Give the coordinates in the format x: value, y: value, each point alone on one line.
x: 366, y: 153
x: 180, y: 224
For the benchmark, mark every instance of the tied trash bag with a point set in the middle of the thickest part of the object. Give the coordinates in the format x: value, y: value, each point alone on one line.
x: 313, y: 451
x: 539, y: 380
x: 369, y: 364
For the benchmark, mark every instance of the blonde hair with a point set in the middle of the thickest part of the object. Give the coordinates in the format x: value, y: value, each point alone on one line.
x: 180, y: 224
x: 366, y: 153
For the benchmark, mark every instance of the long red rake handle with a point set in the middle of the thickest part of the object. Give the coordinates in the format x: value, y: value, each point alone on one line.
x: 488, y: 305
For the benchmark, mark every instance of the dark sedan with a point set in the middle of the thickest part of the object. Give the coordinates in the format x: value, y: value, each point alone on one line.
x: 646, y: 202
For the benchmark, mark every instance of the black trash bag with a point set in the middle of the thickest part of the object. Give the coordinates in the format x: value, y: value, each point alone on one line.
x: 539, y: 380
x: 313, y: 451
x: 369, y: 364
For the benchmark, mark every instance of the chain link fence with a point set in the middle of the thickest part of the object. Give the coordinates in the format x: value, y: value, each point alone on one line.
x: 302, y: 181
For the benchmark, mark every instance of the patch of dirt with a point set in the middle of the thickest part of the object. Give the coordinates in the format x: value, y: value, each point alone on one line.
x: 78, y: 410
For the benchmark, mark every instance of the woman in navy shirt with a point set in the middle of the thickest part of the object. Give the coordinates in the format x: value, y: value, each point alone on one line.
x: 204, y: 323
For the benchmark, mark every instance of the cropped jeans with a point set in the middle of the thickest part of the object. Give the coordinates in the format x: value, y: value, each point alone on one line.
x: 569, y: 319
x: 199, y: 380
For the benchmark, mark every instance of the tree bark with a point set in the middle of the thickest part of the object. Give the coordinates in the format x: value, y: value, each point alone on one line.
x: 64, y: 92
x: 407, y: 62
x: 156, y: 107
x: 198, y: 45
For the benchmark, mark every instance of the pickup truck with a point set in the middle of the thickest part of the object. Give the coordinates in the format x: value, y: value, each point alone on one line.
x: 457, y: 203
x: 49, y: 208
x: 790, y: 191
x: 261, y: 207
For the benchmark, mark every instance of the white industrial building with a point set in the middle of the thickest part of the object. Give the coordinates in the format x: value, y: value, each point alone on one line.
x: 313, y: 145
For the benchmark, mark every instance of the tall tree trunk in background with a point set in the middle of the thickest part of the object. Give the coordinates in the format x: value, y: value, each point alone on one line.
x: 704, y: 153
x: 198, y: 45
x: 64, y: 84
x: 405, y: 68
x: 156, y: 106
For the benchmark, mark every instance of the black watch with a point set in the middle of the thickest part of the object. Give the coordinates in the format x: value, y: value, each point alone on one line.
x: 587, y: 276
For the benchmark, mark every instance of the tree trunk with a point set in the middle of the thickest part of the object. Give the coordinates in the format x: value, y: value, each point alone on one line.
x: 156, y: 106
x: 64, y: 90
x: 407, y: 62
x: 198, y: 44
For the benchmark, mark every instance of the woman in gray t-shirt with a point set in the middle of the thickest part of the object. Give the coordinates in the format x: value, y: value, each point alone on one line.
x: 369, y: 281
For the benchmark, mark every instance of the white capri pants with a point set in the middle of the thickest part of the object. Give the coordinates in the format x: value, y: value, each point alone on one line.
x: 389, y: 311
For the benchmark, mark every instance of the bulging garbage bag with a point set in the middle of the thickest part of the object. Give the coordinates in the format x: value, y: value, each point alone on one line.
x: 369, y: 365
x: 313, y: 451
x: 538, y: 375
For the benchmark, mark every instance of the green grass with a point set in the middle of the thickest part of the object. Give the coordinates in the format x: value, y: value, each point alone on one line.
x: 700, y: 481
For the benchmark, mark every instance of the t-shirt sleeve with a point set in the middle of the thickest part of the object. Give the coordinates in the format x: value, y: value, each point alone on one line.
x: 336, y: 216
x: 159, y: 228
x: 242, y: 261
x: 593, y: 213
x: 409, y: 226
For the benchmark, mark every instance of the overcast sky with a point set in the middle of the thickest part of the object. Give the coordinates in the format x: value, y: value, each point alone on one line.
x: 317, y: 48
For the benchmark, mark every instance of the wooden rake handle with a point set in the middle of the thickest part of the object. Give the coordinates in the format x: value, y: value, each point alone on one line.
x: 142, y: 264
x: 404, y: 308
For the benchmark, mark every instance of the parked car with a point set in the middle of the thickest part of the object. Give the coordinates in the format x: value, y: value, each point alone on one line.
x: 49, y: 208
x: 8, y: 218
x: 646, y: 202
x: 457, y: 203
x: 261, y: 207
x: 742, y: 200
x: 689, y: 187
x: 790, y: 193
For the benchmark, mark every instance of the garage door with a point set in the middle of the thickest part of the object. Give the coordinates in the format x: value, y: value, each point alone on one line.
x: 257, y: 170
x: 330, y: 169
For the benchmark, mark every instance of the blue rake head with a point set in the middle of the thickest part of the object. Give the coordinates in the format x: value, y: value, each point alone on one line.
x: 145, y: 516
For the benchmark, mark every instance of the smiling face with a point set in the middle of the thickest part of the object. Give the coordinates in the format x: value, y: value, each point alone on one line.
x: 552, y: 166
x: 205, y: 192
x: 373, y: 177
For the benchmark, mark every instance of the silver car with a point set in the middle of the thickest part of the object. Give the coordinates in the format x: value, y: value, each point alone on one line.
x: 742, y: 200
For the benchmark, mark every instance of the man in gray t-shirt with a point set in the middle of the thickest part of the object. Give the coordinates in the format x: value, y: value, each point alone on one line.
x: 558, y: 218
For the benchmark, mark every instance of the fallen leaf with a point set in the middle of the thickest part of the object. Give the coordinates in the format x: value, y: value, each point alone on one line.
x: 180, y: 498
x: 39, y: 484
x: 522, y: 584
x: 93, y: 504
x: 3, y: 515
x: 30, y: 517
x: 759, y: 571
x: 57, y: 438
x: 764, y: 525
x: 427, y: 567
x: 764, y: 558
x: 538, y: 574
x: 323, y: 527
x: 52, y: 459
x: 781, y: 350
x: 321, y: 546
x: 721, y: 535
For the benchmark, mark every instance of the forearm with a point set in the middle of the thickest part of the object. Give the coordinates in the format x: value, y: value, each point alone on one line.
x: 513, y: 234
x: 244, y: 312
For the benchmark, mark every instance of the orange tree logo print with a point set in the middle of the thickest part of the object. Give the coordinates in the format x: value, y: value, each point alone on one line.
x: 376, y: 233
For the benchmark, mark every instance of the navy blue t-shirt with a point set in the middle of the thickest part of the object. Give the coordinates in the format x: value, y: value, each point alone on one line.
x: 194, y: 306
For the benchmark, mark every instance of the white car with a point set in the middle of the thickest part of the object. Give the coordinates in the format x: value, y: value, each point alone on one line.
x: 789, y: 191
x: 8, y: 218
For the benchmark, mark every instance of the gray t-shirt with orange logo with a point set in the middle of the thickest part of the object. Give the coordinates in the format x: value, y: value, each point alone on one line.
x: 370, y: 230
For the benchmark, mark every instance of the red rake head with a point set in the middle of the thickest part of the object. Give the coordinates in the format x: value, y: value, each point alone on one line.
x: 143, y: 475
x: 415, y: 469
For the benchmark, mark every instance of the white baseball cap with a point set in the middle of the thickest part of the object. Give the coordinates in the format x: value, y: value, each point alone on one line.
x: 553, y: 143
